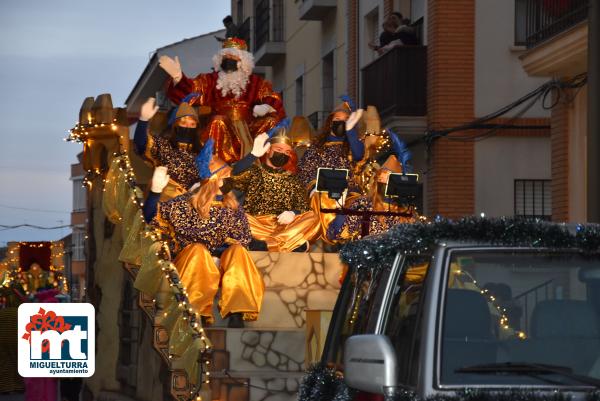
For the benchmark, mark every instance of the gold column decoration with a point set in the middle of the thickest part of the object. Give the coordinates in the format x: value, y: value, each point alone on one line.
x: 317, y: 324
x: 157, y: 276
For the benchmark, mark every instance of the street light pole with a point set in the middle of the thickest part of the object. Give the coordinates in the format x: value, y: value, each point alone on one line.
x: 593, y: 114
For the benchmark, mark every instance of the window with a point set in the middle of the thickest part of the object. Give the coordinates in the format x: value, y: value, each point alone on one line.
x: 533, y: 198
x: 328, y: 82
x: 371, y: 34
x: 356, y: 311
x: 300, y: 96
x: 520, y: 22
x: 403, y: 324
x: 529, y: 308
x: 240, y: 12
x: 78, y: 244
x: 79, y: 195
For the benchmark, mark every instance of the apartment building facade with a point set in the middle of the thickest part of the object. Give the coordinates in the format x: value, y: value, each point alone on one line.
x: 557, y: 48
x: 467, y: 66
x: 75, y: 247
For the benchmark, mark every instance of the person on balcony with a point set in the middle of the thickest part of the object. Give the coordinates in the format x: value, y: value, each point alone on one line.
x: 349, y: 227
x: 396, y: 32
x: 205, y: 224
x: 338, y: 147
x: 276, y: 202
x: 242, y: 104
x: 176, y: 151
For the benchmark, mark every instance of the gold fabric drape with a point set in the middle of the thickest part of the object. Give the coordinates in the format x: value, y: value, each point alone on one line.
x: 242, y: 287
x: 121, y: 205
x: 285, y: 238
x: 320, y: 200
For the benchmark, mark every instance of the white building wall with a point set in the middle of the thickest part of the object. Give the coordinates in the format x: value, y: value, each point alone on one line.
x: 501, y: 160
x: 499, y: 77
x: 195, y: 55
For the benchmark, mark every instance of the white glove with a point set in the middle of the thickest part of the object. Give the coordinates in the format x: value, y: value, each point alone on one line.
x: 261, y: 110
x: 353, y: 119
x: 148, y: 110
x: 160, y: 179
x: 286, y: 217
x: 260, y: 145
x: 171, y: 67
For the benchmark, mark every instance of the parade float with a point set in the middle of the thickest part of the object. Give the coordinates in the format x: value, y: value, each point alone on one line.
x: 166, y: 232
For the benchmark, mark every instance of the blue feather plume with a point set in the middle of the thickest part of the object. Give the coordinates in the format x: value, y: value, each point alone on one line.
x: 189, y: 97
x: 284, y: 123
x: 347, y: 99
x: 172, y: 116
x: 402, y: 153
x: 203, y: 160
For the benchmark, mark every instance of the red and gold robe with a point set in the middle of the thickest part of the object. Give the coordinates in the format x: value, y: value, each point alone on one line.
x: 232, y: 125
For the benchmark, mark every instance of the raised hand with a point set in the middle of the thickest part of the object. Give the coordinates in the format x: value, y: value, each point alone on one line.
x: 160, y: 179
x: 260, y: 145
x: 148, y: 110
x: 353, y: 119
x: 171, y: 67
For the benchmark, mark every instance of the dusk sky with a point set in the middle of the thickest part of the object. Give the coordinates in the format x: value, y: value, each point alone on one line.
x: 52, y: 55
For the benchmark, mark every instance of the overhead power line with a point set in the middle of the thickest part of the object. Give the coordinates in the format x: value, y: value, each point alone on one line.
x: 34, y: 210
x: 5, y: 227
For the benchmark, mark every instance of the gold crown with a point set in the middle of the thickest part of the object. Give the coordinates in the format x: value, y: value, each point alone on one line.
x: 235, y: 43
x: 184, y: 110
x: 281, y: 137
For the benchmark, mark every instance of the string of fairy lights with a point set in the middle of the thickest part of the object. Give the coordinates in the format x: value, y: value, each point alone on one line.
x: 168, y: 269
x: 84, y: 133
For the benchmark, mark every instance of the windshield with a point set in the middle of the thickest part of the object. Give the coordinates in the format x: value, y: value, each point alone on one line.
x: 506, y: 315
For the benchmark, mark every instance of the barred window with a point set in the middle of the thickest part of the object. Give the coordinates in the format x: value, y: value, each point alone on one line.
x: 533, y: 198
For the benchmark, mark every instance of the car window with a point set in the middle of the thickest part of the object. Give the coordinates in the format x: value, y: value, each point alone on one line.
x: 528, y: 308
x: 403, y: 322
x: 356, y: 311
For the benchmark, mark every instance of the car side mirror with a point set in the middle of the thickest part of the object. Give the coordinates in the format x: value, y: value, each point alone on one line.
x: 370, y: 363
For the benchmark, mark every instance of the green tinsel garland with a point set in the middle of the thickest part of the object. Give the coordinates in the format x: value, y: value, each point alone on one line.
x: 380, y: 250
x: 324, y: 384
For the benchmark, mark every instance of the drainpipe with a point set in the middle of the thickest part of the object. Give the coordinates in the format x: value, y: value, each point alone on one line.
x: 593, y: 114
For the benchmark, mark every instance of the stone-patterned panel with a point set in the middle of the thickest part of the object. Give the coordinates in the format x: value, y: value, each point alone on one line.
x: 259, y: 350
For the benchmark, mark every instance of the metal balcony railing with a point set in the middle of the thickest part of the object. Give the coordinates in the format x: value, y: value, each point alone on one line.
x: 268, y: 23
x: 244, y: 32
x: 396, y: 82
x: 547, y: 18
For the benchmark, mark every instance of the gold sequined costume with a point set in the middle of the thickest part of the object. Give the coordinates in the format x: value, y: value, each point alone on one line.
x: 195, y: 240
x: 330, y: 155
x: 270, y: 192
x: 351, y: 229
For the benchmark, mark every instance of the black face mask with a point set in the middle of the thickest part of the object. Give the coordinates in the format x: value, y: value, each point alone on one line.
x: 185, y: 133
x: 338, y: 128
x: 279, y: 159
x: 228, y: 65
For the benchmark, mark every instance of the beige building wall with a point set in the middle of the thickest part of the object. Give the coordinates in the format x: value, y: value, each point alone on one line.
x: 306, y: 44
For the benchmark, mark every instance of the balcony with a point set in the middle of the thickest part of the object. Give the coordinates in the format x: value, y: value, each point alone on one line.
x: 556, y: 34
x: 245, y: 32
x: 396, y: 83
x: 269, y: 45
x: 547, y: 18
x: 315, y: 10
